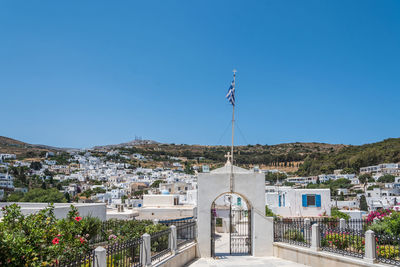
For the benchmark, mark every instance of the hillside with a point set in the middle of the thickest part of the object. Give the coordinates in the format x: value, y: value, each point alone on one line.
x: 12, y: 146
x: 302, y: 158
x: 352, y: 158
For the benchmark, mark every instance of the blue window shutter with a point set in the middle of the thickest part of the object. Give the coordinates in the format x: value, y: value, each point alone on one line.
x: 279, y: 200
x: 318, y: 200
x: 304, y: 198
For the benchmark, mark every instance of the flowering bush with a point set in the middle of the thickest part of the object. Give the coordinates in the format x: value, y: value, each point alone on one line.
x: 380, y: 214
x: 387, y: 251
x: 343, y: 240
x: 40, y: 239
x: 388, y: 224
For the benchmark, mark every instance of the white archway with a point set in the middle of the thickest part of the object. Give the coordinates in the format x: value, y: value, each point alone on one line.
x: 246, y: 183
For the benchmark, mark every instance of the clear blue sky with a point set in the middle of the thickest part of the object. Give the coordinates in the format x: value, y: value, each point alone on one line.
x: 83, y: 73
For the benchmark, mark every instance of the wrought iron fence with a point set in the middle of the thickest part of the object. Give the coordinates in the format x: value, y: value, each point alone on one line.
x: 124, y: 254
x: 186, y: 233
x: 388, y: 249
x: 293, y: 231
x: 358, y: 224
x: 160, y: 245
x: 177, y: 222
x: 86, y: 260
x: 344, y: 241
x: 103, y: 231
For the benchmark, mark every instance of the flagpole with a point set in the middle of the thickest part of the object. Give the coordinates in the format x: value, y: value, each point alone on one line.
x: 233, y: 131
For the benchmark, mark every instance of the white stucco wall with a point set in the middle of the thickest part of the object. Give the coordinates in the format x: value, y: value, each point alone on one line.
x: 247, y: 184
x: 61, y: 210
x: 158, y: 200
x: 293, y: 203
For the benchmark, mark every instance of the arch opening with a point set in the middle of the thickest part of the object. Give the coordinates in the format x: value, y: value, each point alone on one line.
x: 231, y: 225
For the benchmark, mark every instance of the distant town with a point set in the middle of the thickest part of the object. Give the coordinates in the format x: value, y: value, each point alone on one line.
x: 131, y: 188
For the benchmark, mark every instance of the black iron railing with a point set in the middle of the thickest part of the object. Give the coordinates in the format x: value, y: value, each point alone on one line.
x: 160, y: 245
x: 85, y: 260
x: 388, y: 249
x: 124, y: 254
x: 344, y: 241
x: 177, y: 222
x: 185, y: 233
x: 293, y: 231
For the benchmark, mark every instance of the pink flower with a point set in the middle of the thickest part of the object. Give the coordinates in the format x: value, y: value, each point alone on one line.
x: 55, y: 241
x: 82, y: 240
x: 78, y: 218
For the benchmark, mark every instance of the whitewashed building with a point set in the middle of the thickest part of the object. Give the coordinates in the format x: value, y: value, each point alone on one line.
x: 289, y: 202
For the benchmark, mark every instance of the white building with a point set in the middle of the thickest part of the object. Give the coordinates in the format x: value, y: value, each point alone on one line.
x: 385, y: 168
x: 6, y: 181
x: 289, y: 202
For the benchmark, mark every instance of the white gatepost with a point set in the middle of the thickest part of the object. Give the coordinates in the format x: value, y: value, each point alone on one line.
x: 370, y: 247
x: 100, y: 257
x: 145, y: 250
x: 315, y: 237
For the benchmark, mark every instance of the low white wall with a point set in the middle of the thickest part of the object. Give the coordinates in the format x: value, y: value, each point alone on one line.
x: 61, y: 210
x: 181, y: 258
x: 164, y: 213
x: 158, y: 200
x: 314, y: 258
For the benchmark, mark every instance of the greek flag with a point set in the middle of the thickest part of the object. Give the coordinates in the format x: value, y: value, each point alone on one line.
x: 231, y: 93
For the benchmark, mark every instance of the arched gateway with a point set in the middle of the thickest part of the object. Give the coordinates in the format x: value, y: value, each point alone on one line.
x: 248, y: 227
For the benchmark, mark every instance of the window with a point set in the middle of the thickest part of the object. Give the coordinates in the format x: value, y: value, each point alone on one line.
x: 310, y: 200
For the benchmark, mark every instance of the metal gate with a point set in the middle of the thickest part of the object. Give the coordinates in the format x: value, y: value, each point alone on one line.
x: 239, y: 234
x: 213, y: 218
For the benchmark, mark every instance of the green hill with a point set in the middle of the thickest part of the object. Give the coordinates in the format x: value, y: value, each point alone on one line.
x: 352, y: 158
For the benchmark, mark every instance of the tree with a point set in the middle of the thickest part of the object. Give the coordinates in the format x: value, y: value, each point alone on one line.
x: 387, y: 178
x: 268, y: 212
x: 35, y: 165
x: 41, y: 195
x: 156, y: 183
x: 67, y: 197
x: 364, y: 178
x: 15, y: 197
x: 188, y: 168
x: 363, y: 203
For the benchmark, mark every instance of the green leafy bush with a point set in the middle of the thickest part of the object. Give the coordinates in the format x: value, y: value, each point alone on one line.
x: 295, y: 235
x: 39, y: 239
x: 337, y: 214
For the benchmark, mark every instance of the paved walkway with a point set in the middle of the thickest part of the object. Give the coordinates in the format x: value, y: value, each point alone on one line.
x: 244, y: 261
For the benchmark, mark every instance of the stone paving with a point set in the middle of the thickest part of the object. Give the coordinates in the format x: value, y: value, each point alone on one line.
x: 243, y: 261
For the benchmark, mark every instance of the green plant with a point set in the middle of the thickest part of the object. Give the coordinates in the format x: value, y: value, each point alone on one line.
x: 218, y: 222
x: 337, y: 214
x: 39, y: 239
x: 295, y: 235
x: 387, y: 251
x: 268, y: 212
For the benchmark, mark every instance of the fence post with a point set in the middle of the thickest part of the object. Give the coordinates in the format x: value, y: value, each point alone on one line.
x: 370, y: 247
x: 172, y: 240
x: 315, y: 237
x: 145, y: 250
x: 155, y: 221
x: 342, y: 224
x: 100, y: 257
